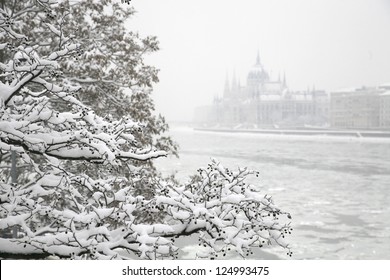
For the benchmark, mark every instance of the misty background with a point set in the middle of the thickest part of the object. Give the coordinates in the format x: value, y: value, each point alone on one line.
x: 336, y: 188
x: 327, y: 44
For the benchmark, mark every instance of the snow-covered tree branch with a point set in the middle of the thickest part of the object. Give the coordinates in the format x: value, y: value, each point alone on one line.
x: 77, y: 217
x: 79, y: 196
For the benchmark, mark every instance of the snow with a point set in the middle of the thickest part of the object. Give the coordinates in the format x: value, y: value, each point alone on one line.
x: 16, y: 248
x: 5, y: 92
x: 387, y: 93
x: 385, y: 85
x: 181, y: 215
x: 345, y: 90
x: 270, y: 97
x: 233, y: 198
x: 74, y: 201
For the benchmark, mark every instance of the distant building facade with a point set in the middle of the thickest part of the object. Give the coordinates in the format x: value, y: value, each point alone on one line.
x: 384, y: 108
x: 363, y: 108
x: 264, y: 102
x: 384, y: 116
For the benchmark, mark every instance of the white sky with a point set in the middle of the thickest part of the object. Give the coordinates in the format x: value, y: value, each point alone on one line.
x: 330, y: 44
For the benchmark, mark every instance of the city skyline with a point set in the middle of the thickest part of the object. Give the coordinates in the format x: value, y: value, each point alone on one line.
x: 326, y: 44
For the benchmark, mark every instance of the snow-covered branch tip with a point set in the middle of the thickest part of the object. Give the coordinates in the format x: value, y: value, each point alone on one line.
x: 86, y: 187
x: 79, y: 217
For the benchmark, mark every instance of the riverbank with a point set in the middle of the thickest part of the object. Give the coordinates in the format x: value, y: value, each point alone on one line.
x: 349, y: 133
x: 336, y: 188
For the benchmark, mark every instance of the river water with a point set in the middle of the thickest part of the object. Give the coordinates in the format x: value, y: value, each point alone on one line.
x: 337, y: 189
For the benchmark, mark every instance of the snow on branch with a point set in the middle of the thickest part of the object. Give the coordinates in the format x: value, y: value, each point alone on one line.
x: 79, y: 217
x: 29, y: 115
x: 79, y: 194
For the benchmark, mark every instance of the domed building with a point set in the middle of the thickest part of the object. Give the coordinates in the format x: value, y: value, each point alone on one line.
x: 264, y: 102
x: 257, y: 75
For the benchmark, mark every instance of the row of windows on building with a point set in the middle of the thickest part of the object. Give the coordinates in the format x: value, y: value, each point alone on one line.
x: 367, y: 108
x: 363, y: 108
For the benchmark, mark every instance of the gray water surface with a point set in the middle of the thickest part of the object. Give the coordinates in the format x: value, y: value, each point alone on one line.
x: 336, y: 188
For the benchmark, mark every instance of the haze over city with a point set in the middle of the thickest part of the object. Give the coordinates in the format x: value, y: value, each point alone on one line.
x: 277, y: 147
x: 325, y: 44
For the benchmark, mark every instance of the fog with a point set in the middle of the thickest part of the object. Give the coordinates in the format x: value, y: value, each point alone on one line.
x: 327, y: 44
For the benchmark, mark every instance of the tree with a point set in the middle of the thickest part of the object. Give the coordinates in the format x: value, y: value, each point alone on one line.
x: 116, y: 81
x: 75, y: 214
x: 110, y: 91
x: 116, y: 91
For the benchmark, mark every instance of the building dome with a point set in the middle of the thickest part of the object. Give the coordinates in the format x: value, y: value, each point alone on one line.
x: 257, y: 74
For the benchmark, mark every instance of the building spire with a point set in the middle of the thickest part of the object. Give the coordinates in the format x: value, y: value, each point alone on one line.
x: 258, y: 58
x: 234, y: 81
x: 284, y: 79
x: 226, y: 91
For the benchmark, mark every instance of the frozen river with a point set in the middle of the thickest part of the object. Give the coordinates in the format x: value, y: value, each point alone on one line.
x: 336, y: 188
